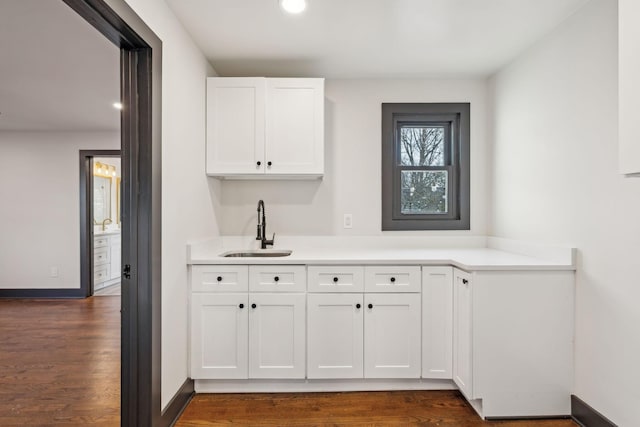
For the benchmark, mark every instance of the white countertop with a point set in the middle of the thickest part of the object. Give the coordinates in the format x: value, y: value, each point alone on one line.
x: 466, y: 253
x: 106, y: 233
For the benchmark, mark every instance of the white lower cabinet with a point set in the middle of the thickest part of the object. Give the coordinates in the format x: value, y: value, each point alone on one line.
x: 375, y: 334
x: 437, y: 322
x: 219, y: 335
x: 335, y: 335
x: 491, y: 333
x: 240, y: 335
x: 277, y: 335
x: 363, y: 336
x: 463, y: 333
x: 392, y: 336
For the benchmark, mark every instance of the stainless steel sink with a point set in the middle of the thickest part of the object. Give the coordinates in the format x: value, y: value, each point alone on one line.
x: 257, y: 253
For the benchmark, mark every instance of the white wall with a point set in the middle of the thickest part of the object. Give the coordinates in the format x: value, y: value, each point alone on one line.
x: 352, y: 164
x: 556, y: 180
x: 40, y: 206
x: 187, y: 208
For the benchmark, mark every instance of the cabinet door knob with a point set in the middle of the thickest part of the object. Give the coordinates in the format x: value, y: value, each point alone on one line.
x: 276, y: 279
x: 393, y: 279
x: 370, y: 306
x: 258, y: 163
x: 269, y: 163
x: 465, y: 281
x: 219, y: 278
x: 241, y: 306
x: 358, y: 306
x: 335, y: 279
x: 253, y: 306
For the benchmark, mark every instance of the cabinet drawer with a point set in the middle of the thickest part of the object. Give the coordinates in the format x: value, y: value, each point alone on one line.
x: 100, y: 274
x: 219, y: 278
x: 335, y: 279
x: 100, y: 242
x: 277, y: 278
x: 101, y: 256
x: 392, y: 279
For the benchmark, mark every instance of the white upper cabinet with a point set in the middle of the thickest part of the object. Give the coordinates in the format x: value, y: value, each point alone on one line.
x: 629, y: 86
x: 235, y: 125
x: 265, y: 127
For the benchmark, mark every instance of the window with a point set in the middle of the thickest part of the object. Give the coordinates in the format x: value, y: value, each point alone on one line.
x: 425, y: 166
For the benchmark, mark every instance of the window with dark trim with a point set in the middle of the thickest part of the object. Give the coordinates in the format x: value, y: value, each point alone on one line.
x: 425, y: 166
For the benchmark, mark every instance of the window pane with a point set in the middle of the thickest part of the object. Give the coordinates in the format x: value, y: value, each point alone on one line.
x: 424, y: 192
x: 422, y: 146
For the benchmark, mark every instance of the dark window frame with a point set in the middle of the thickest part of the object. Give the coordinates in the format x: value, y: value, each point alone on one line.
x: 456, y: 119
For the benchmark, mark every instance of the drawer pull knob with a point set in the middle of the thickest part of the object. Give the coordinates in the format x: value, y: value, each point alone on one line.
x: 465, y: 281
x: 269, y: 163
x: 335, y: 279
x: 276, y: 279
x: 241, y: 306
x: 253, y: 306
x: 219, y: 278
x: 393, y: 279
x: 258, y: 163
x: 358, y: 306
x: 370, y: 306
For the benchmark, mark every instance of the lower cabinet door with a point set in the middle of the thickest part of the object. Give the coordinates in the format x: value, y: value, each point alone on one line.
x: 219, y: 327
x: 462, y: 333
x: 277, y: 335
x: 437, y: 322
x: 392, y: 336
x: 335, y: 335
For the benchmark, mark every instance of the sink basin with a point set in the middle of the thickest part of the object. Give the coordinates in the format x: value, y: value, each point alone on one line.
x: 260, y: 253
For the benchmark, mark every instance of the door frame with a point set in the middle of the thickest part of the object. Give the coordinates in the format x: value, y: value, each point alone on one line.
x: 141, y: 124
x: 86, y: 215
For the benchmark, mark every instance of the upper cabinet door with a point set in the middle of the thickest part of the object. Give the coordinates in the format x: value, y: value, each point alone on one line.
x: 295, y: 126
x: 235, y: 126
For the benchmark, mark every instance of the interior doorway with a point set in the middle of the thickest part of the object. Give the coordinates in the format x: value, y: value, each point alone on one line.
x: 101, y: 222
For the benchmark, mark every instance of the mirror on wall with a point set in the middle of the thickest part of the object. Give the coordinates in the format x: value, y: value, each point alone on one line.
x: 106, y: 191
x: 101, y: 199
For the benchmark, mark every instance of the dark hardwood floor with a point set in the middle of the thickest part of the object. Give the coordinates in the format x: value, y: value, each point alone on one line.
x: 60, y: 362
x: 399, y: 408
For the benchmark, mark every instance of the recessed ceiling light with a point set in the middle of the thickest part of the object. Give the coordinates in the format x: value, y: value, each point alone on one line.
x: 117, y: 105
x: 293, y: 6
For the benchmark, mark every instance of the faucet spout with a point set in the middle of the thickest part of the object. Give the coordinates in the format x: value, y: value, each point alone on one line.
x: 262, y: 227
x: 104, y: 223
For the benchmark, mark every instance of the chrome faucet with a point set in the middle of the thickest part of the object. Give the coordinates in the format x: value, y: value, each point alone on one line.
x: 262, y: 228
x: 104, y: 223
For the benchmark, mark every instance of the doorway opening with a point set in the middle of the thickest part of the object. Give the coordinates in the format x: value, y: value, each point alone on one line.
x: 100, y: 222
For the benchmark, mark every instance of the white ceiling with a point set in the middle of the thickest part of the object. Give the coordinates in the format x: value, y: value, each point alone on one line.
x: 57, y: 73
x: 368, y: 38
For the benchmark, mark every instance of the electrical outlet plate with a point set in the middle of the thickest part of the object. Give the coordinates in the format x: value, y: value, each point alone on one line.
x: 347, y: 221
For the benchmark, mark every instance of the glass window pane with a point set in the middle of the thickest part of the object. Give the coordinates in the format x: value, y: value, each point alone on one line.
x: 424, y: 192
x: 422, y: 146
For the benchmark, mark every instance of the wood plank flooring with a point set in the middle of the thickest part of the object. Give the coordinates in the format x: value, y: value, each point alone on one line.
x: 60, y: 362
x: 400, y: 408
